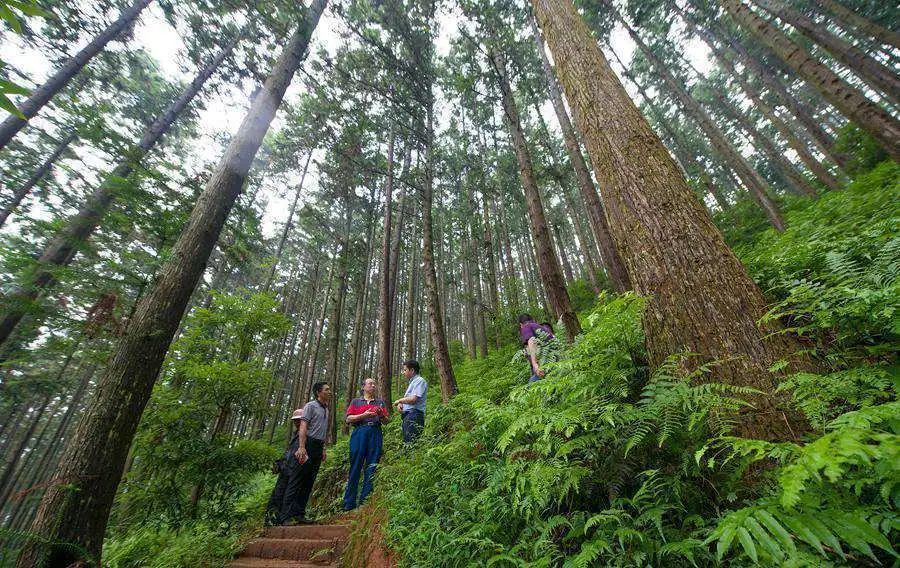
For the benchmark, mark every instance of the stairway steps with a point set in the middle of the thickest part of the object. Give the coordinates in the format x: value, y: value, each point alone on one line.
x: 308, y: 532
x: 276, y: 563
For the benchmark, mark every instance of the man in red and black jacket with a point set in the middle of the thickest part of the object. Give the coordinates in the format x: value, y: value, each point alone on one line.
x: 366, y: 414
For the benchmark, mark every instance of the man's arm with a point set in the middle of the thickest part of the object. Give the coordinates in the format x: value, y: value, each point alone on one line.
x: 300, y: 454
x: 533, y: 349
x: 354, y: 418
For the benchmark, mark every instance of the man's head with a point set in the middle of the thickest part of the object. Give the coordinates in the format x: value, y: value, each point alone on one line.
x: 410, y: 368
x: 525, y: 318
x: 322, y: 391
x: 369, y: 387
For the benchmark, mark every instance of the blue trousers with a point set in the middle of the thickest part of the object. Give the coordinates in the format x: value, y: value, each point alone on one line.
x: 365, y: 451
x: 412, y: 425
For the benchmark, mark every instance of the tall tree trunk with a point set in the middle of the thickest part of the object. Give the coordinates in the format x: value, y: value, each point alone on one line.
x: 848, y: 99
x: 75, y: 508
x: 700, y: 297
x: 432, y: 299
x: 339, y: 292
x: 877, y: 75
x: 23, y: 190
x: 488, y: 248
x: 615, y: 268
x: 412, y: 278
x: 42, y: 95
x: 757, y: 186
x: 475, y: 272
x: 548, y: 263
x: 61, y: 250
x: 288, y: 225
x: 385, y: 324
x: 845, y: 16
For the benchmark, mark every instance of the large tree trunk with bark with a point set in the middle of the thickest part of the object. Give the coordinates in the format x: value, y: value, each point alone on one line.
x: 23, y: 190
x: 71, y: 519
x: 870, y: 117
x: 548, y: 263
x: 615, y: 268
x: 700, y: 298
x: 42, y: 95
x: 877, y: 75
x: 79, y: 228
x: 756, y: 185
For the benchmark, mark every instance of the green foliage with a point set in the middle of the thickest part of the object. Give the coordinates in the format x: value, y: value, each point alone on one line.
x: 8, y: 14
x: 863, y: 151
x: 604, y: 464
x: 836, y: 269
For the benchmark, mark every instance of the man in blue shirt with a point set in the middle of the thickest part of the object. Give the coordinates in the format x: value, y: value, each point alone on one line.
x: 412, y: 405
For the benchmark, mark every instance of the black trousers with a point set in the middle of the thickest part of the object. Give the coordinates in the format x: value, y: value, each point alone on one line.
x: 299, y: 482
x: 412, y: 425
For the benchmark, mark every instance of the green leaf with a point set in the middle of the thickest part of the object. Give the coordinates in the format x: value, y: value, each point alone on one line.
x: 747, y: 542
x: 764, y: 538
x: 803, y: 532
x: 8, y: 106
x: 771, y: 523
x: 29, y: 9
x: 725, y: 541
x: 12, y: 88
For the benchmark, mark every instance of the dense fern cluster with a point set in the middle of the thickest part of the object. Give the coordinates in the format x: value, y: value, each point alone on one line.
x: 605, y: 464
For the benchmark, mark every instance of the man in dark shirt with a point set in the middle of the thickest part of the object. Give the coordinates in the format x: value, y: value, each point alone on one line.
x: 275, y: 501
x: 303, y: 467
x: 366, y: 414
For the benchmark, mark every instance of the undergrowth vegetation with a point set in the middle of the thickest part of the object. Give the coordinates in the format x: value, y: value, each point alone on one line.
x: 605, y: 463
x: 608, y: 463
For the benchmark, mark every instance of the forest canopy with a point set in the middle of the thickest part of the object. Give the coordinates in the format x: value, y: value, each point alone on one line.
x: 210, y: 207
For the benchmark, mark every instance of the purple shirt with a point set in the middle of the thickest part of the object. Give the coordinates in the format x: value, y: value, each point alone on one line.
x: 527, y: 331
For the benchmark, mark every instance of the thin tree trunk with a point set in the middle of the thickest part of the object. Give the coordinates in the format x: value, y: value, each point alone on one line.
x: 848, y: 99
x: 818, y: 170
x: 548, y: 263
x: 43, y: 94
x: 491, y: 264
x: 823, y: 141
x: 288, y: 225
x: 93, y: 461
x: 615, y: 269
x: 339, y: 293
x: 848, y: 18
x: 700, y: 297
x: 385, y: 324
x: 61, y: 250
x: 757, y: 186
x: 23, y: 190
x: 877, y: 75
x: 432, y: 300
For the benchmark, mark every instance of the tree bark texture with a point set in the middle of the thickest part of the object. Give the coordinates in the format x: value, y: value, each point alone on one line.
x: 42, y: 95
x: 75, y: 508
x: 700, y: 298
x: 870, y: 117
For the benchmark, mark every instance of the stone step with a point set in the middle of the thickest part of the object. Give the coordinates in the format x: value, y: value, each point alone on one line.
x: 308, y: 531
x: 302, y: 549
x: 275, y: 563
